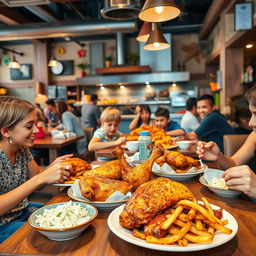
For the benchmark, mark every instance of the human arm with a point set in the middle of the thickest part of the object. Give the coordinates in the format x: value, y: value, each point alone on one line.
x: 96, y: 143
x: 174, y: 129
x: 176, y: 132
x: 54, y: 173
x: 191, y: 136
x: 241, y: 178
x: 134, y: 122
x: 210, y: 151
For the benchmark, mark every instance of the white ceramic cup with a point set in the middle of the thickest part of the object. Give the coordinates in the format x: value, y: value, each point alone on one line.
x: 132, y: 145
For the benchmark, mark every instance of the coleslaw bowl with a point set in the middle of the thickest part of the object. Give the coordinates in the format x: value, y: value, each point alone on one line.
x: 64, y: 233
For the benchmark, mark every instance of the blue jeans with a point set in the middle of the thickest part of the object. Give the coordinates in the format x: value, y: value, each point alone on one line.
x: 9, y: 228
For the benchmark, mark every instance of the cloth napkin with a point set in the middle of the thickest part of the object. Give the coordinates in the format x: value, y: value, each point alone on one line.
x: 116, y: 196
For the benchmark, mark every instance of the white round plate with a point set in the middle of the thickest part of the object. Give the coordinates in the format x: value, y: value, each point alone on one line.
x: 220, y: 191
x: 101, y: 205
x: 171, y: 147
x: 180, y: 176
x: 126, y: 235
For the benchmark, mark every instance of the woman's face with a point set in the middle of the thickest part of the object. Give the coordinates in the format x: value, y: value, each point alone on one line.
x: 252, y: 122
x: 23, y: 134
x: 145, y: 116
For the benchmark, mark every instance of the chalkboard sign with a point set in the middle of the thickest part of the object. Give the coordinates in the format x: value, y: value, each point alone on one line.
x: 68, y: 67
x: 22, y: 73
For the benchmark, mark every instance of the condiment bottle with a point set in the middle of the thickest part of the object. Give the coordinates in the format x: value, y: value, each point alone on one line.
x: 145, y: 145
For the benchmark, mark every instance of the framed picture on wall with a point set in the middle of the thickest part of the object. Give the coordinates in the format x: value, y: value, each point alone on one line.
x: 22, y: 73
x: 243, y: 15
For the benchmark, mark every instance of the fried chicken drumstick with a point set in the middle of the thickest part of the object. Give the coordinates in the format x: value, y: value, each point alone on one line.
x: 141, y: 173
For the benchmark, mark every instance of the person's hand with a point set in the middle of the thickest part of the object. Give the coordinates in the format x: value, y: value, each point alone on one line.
x: 56, y: 172
x: 120, y: 140
x: 208, y: 150
x: 137, y: 110
x: 61, y: 159
x: 241, y: 178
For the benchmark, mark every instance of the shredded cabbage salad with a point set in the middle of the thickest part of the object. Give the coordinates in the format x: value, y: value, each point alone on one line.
x: 63, y: 216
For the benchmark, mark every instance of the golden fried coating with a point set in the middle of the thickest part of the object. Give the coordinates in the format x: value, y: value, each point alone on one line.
x: 111, y: 170
x: 150, y: 199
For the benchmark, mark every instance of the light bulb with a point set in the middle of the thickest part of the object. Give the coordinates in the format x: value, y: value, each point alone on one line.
x: 248, y: 46
x: 148, y: 85
x: 159, y: 9
x: 122, y: 87
x: 156, y: 44
x: 102, y: 88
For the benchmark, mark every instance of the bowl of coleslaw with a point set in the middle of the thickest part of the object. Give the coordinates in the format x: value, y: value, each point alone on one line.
x: 212, y: 179
x: 63, y: 221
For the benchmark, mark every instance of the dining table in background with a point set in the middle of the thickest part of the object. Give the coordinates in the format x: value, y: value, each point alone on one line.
x: 54, y: 145
x: 98, y: 240
x: 108, y: 152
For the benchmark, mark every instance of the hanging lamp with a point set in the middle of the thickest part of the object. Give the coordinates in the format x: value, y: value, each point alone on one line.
x: 156, y: 40
x: 14, y: 63
x: 144, y: 32
x: 53, y: 62
x: 159, y: 10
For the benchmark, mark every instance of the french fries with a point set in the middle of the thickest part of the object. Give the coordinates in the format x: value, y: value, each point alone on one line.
x: 187, y: 222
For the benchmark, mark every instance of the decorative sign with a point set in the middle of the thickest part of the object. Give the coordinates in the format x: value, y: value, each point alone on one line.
x: 22, y: 73
x: 243, y: 16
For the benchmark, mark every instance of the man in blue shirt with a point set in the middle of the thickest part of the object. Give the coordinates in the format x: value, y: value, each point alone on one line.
x: 163, y: 121
x: 213, y: 125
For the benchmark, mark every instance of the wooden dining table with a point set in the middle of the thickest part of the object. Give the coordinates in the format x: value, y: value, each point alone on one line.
x: 54, y: 145
x: 108, y: 152
x: 98, y: 240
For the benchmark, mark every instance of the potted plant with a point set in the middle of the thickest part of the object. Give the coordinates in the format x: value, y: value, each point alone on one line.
x: 132, y: 58
x: 109, y: 58
x: 83, y: 66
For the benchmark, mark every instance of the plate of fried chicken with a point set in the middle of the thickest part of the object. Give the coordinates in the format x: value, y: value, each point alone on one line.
x: 162, y: 215
x: 176, y: 166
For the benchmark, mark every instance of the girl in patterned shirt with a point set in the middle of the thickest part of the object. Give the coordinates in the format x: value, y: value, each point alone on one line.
x: 19, y: 173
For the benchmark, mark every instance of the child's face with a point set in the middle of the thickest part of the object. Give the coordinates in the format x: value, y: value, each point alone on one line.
x: 145, y: 116
x: 24, y: 132
x: 161, y: 122
x: 110, y: 128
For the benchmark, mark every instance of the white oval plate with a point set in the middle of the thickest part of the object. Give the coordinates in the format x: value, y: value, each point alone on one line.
x: 101, y: 205
x: 126, y: 235
x: 180, y: 176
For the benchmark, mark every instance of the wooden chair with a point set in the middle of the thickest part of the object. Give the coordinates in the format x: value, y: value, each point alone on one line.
x: 233, y: 142
x: 88, y: 156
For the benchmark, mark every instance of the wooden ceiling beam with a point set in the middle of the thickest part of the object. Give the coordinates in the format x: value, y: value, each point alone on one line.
x: 212, y: 17
x: 11, y: 17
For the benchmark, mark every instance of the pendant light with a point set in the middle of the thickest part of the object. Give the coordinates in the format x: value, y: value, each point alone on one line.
x: 53, y: 62
x: 144, y: 32
x: 14, y: 63
x: 159, y: 10
x: 156, y: 40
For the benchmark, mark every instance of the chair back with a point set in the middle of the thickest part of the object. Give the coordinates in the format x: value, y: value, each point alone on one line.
x: 89, y: 133
x: 233, y: 142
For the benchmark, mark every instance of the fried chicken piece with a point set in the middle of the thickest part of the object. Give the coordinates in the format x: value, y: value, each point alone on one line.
x: 100, y: 188
x: 180, y: 161
x: 153, y: 228
x: 141, y: 173
x: 77, y: 165
x: 111, y: 170
x: 151, y: 199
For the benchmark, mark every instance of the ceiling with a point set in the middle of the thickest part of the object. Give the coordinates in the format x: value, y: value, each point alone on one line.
x: 88, y: 11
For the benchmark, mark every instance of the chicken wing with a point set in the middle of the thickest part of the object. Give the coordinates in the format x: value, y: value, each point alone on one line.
x: 151, y: 199
x: 141, y: 173
x: 111, y: 170
x: 100, y: 188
